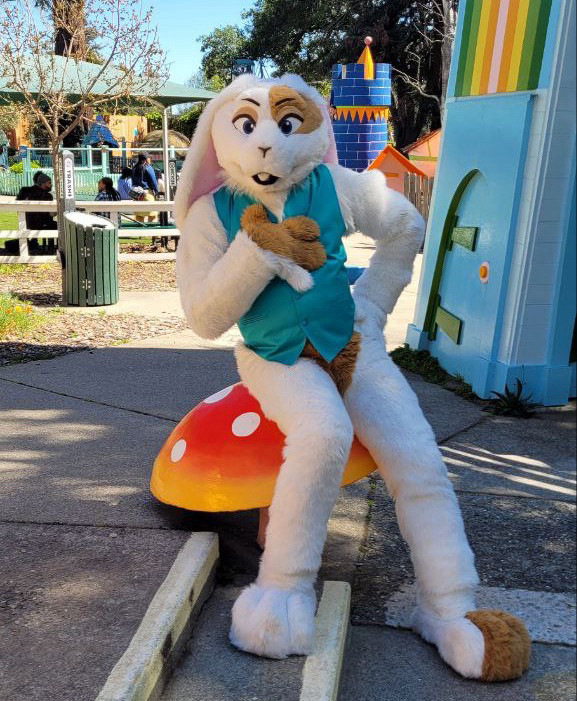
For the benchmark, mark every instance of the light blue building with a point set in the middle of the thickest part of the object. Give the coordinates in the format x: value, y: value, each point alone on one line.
x: 497, y: 295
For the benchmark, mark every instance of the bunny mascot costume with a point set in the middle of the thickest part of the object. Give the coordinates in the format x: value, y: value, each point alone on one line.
x: 262, y: 206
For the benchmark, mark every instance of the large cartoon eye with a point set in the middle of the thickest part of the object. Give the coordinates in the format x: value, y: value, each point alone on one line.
x: 244, y: 123
x: 290, y: 123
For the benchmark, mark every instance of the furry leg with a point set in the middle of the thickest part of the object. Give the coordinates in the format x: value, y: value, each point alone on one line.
x: 389, y: 422
x: 275, y: 616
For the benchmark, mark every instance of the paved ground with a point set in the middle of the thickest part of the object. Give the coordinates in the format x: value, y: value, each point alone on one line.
x: 86, y: 545
x: 166, y: 303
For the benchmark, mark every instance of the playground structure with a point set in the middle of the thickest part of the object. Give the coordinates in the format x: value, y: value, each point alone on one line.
x: 90, y: 164
x: 497, y: 291
x: 360, y: 97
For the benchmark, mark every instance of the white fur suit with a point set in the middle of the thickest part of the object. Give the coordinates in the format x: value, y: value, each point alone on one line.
x: 262, y: 138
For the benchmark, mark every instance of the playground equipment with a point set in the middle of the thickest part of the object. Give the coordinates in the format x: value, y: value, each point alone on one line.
x: 99, y: 133
x: 361, y: 96
x: 497, y: 292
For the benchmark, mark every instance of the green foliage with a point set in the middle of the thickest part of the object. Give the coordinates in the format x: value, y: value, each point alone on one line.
x: 16, y: 317
x: 512, y: 403
x: 186, y: 121
x: 420, y: 362
x: 310, y: 38
x: 9, y: 117
x: 154, y: 120
x: 219, y: 49
x: 19, y: 167
x: 423, y: 363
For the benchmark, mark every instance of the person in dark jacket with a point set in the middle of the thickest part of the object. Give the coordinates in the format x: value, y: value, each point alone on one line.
x: 143, y: 176
x: 40, y: 191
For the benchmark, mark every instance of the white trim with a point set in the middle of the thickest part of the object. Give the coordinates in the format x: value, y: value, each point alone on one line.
x: 322, y: 670
x: 159, y: 638
x: 537, y: 170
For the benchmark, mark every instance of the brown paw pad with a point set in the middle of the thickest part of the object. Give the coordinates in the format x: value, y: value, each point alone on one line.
x: 302, y: 228
x: 507, y: 645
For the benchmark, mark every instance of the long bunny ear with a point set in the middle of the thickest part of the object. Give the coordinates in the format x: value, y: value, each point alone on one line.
x: 201, y: 172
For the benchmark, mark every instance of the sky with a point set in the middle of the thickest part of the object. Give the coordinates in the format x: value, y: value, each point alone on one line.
x: 181, y: 22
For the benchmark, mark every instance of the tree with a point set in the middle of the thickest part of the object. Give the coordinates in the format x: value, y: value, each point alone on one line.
x: 415, y: 37
x: 60, y: 91
x: 219, y: 49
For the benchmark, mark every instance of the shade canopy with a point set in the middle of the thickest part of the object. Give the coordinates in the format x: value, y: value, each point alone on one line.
x: 75, y: 76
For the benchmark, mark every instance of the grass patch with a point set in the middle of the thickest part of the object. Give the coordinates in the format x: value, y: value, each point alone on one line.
x: 424, y: 364
x: 15, y: 268
x: 8, y: 220
x: 16, y: 317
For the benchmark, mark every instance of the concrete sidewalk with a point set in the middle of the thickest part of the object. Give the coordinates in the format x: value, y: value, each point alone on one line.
x: 84, y: 545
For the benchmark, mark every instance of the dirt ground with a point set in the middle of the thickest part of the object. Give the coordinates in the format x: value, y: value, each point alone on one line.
x: 59, y: 332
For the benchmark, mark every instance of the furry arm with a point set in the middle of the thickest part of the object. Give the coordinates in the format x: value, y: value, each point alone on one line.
x: 218, y: 282
x: 386, y: 216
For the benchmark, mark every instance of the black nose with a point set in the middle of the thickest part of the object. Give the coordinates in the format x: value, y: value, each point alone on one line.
x: 264, y: 150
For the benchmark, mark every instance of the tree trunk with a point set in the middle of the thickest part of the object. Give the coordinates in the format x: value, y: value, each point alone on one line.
x: 449, y: 22
x: 69, y: 28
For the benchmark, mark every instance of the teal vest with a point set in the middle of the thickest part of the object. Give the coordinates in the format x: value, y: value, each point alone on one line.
x: 281, y: 320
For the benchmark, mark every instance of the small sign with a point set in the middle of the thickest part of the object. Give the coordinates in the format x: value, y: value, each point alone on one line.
x: 172, y: 179
x: 23, y: 151
x: 68, y: 179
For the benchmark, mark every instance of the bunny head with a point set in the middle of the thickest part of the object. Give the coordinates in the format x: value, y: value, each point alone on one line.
x: 256, y: 136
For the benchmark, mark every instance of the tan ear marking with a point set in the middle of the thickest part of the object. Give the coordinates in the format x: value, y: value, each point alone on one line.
x: 284, y: 100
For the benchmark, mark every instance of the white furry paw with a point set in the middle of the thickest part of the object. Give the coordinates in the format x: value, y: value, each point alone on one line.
x: 459, y: 642
x: 273, y: 622
x: 298, y: 278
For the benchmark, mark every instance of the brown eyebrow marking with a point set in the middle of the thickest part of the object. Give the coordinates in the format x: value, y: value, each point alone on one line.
x: 254, y: 102
x: 280, y: 95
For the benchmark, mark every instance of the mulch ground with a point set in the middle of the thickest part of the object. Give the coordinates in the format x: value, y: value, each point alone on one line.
x: 60, y: 331
x: 46, y: 277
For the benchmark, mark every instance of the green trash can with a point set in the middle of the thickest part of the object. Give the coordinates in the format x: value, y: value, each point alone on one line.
x: 90, y: 260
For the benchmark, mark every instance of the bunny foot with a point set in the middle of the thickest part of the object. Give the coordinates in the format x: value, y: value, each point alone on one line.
x: 273, y: 622
x: 487, y: 645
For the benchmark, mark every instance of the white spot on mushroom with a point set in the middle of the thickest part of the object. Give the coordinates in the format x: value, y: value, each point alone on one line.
x: 245, y: 424
x: 178, y: 450
x: 217, y: 396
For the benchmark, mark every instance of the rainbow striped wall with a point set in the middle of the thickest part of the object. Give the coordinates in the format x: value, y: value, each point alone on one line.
x: 502, y: 46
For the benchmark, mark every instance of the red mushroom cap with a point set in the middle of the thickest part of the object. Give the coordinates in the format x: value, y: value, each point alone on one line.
x: 225, y: 456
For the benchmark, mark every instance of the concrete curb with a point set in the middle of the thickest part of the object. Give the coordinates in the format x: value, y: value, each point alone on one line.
x: 143, y: 669
x: 322, y: 669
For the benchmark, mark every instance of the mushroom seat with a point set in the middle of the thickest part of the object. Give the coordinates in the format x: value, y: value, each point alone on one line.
x: 225, y: 456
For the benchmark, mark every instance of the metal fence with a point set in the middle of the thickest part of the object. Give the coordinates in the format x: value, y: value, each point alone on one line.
x: 85, y: 182
x: 90, y: 164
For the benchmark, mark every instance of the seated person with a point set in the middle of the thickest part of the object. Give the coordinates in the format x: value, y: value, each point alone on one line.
x: 125, y: 184
x: 40, y: 190
x: 106, y: 193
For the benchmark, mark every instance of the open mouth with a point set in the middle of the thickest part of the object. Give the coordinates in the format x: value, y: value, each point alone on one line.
x: 265, y: 178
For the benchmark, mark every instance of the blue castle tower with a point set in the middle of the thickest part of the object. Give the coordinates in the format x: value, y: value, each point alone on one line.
x: 361, y: 96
